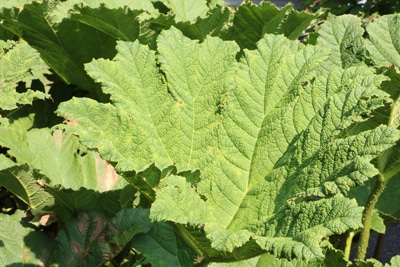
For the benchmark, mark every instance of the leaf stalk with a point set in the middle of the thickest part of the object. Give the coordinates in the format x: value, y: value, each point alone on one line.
x: 367, y: 217
x: 349, y: 240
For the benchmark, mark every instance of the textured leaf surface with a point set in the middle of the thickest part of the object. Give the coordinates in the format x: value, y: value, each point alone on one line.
x: 252, y: 21
x: 162, y: 247
x: 60, y: 158
x: 65, y: 9
x: 395, y: 261
x: 270, y: 135
x: 68, y: 45
x: 185, y: 10
x: 20, y: 180
x: 264, y: 260
x: 344, y: 36
x: 19, y: 63
x: 384, y: 45
x: 92, y: 237
x: 20, y: 244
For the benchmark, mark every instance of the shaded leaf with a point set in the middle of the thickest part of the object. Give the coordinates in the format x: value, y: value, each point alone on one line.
x: 162, y: 247
x: 251, y: 22
x: 21, y: 244
x: 90, y: 238
x: 19, y: 63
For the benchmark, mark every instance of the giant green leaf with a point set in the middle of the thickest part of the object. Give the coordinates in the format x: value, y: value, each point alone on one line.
x: 67, y: 45
x: 163, y: 247
x: 384, y: 40
x: 19, y: 63
x: 344, y: 36
x: 273, y: 135
x: 187, y: 9
x: 60, y: 158
x: 252, y: 21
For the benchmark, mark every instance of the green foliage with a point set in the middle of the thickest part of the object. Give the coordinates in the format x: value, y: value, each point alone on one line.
x: 365, y: 8
x: 188, y: 133
x: 20, y: 64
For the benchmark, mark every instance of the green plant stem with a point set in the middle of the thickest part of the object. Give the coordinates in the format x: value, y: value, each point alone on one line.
x: 347, y: 248
x: 367, y: 217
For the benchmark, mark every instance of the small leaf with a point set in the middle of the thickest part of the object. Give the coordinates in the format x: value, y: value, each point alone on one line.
x: 174, y: 191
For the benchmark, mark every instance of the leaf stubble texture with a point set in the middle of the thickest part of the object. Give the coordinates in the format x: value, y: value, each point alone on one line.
x: 269, y: 135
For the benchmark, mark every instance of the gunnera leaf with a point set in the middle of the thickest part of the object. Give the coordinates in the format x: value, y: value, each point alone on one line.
x: 344, y: 36
x: 265, y: 260
x: 67, y: 42
x: 384, y: 41
x: 21, y: 244
x: 60, y: 158
x: 21, y: 181
x: 65, y: 9
x: 91, y: 238
x: 20, y: 65
x: 252, y: 21
x: 162, y: 246
x: 270, y: 134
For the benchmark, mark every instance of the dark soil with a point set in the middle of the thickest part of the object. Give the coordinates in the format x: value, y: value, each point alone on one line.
x: 390, y: 244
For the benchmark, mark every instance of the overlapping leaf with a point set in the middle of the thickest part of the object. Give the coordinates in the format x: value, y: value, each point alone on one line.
x: 66, y: 46
x: 20, y: 63
x: 59, y: 158
x: 90, y: 238
x: 163, y: 247
x: 269, y: 135
x: 264, y: 260
x: 21, y: 244
x: 384, y: 40
x: 21, y: 181
x: 344, y: 36
x: 52, y: 172
x: 251, y: 22
x: 64, y: 10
